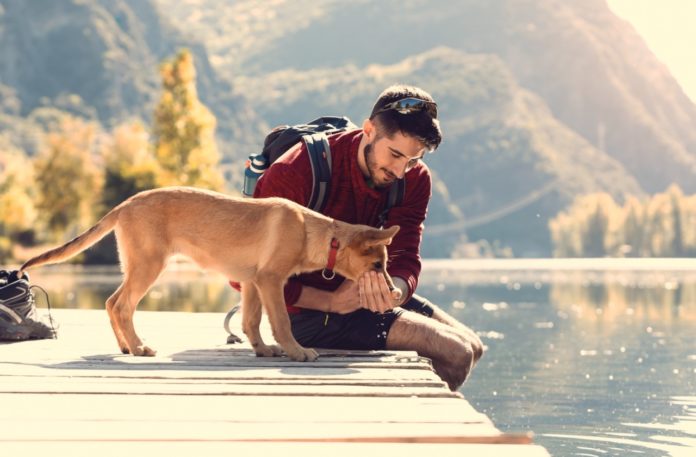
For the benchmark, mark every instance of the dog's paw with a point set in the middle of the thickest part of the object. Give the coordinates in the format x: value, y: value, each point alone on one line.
x: 303, y: 355
x: 125, y: 350
x: 268, y: 351
x: 144, y: 351
x: 277, y: 350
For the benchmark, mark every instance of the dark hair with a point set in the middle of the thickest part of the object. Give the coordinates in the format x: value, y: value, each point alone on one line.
x: 418, y: 124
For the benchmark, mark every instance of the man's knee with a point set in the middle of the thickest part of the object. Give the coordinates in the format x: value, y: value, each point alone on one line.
x: 423, y: 306
x: 476, y: 347
x: 471, y: 347
x: 456, y: 363
x: 464, y: 357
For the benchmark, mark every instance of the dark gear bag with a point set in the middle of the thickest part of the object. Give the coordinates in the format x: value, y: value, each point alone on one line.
x: 19, y: 319
x: 314, y: 134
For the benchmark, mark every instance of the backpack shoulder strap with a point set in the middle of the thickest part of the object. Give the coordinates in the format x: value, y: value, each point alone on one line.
x: 320, y: 159
x: 396, y: 193
x: 395, y: 198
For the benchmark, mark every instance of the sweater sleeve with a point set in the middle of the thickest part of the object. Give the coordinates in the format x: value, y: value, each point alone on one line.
x: 404, y: 251
x: 286, y: 178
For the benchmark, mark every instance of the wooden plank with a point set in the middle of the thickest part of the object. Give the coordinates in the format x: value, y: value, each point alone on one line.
x: 237, y: 409
x: 202, y: 387
x: 405, y: 436
x: 291, y: 432
x: 189, y: 448
x: 118, y: 417
x: 241, y: 374
x: 59, y: 359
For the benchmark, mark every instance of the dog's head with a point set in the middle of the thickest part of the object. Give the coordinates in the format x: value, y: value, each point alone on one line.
x: 366, y: 251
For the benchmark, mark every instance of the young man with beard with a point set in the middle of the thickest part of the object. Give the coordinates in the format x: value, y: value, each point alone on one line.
x: 342, y: 314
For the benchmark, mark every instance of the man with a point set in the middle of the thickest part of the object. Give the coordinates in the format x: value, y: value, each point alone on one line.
x: 342, y: 314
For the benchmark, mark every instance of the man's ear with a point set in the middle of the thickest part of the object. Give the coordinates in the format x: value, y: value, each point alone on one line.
x: 373, y: 237
x: 368, y: 128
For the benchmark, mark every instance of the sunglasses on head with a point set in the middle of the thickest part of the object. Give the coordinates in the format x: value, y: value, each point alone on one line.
x: 410, y: 105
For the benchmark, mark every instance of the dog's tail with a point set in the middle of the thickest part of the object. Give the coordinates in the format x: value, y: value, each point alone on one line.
x: 77, y: 244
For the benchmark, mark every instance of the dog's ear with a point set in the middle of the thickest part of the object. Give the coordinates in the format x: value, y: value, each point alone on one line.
x: 374, y: 237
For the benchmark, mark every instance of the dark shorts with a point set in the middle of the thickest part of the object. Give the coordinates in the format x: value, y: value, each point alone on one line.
x: 361, y: 329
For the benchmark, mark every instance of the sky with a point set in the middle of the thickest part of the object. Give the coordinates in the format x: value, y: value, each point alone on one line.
x: 669, y: 29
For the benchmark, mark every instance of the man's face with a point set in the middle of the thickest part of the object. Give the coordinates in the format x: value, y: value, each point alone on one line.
x: 388, y: 159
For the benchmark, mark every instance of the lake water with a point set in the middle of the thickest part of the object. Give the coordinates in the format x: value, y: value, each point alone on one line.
x: 597, y: 358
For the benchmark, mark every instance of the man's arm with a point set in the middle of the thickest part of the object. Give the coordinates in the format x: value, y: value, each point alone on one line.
x: 404, y: 251
x: 370, y: 292
x: 342, y: 300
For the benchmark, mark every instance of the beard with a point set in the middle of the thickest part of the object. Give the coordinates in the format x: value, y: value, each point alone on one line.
x: 373, y: 169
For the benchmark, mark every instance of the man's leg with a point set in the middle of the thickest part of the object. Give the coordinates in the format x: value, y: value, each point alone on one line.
x: 453, y: 348
x: 422, y: 305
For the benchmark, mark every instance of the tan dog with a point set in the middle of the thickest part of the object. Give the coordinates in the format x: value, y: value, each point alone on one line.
x: 259, y: 243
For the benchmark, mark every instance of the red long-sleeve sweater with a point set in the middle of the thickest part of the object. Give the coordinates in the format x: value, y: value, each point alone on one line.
x: 352, y: 200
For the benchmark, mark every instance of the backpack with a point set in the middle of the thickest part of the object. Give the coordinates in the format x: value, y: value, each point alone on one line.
x: 314, y: 134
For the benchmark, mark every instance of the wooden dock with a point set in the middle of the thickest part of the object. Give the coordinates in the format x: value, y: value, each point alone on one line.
x: 79, y: 396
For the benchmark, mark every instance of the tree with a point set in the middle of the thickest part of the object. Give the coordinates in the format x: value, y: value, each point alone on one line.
x: 589, y: 228
x: 565, y: 236
x: 68, y: 182
x: 662, y: 226
x: 184, y: 129
x: 688, y: 207
x: 659, y: 225
x: 130, y: 165
x: 17, y: 211
x: 633, y: 228
x: 676, y: 198
x: 596, y: 225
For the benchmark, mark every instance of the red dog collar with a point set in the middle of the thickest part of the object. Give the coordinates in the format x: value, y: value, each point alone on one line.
x: 328, y: 272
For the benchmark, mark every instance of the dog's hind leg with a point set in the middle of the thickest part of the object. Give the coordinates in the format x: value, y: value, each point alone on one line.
x: 270, y: 287
x: 251, y: 321
x: 110, y: 302
x: 138, y: 279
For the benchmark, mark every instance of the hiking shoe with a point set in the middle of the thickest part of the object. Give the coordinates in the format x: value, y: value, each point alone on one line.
x: 19, y: 318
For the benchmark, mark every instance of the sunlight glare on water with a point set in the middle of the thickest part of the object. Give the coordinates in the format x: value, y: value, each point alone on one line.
x: 596, y: 361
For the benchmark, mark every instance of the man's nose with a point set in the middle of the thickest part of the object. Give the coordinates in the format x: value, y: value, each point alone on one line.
x: 399, y: 169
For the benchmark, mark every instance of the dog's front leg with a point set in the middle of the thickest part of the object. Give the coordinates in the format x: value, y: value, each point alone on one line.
x: 251, y: 320
x: 270, y: 288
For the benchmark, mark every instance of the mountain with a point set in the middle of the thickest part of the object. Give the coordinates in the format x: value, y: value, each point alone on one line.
x: 99, y: 59
x: 591, y: 68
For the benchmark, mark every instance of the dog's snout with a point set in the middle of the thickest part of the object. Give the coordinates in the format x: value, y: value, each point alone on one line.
x: 378, y: 265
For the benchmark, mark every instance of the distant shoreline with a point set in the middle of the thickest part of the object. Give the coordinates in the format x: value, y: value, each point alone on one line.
x: 479, y: 265
x: 566, y: 264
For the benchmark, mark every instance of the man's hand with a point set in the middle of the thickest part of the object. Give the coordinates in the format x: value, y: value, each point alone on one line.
x: 375, y: 294
x: 370, y: 292
x: 345, y: 299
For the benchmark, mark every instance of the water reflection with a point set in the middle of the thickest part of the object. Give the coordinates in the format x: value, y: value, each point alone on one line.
x: 180, y: 288
x: 595, y: 363
x: 610, y: 302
